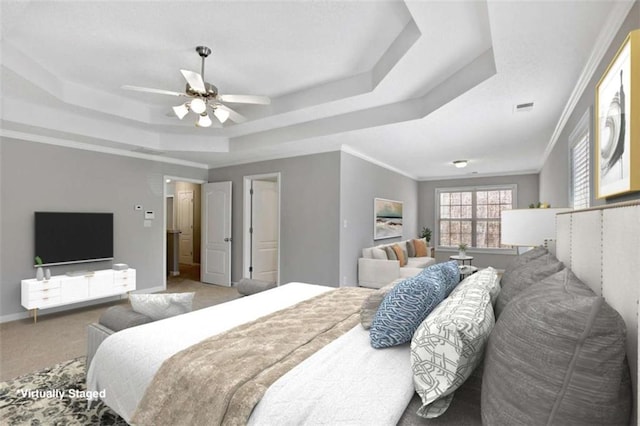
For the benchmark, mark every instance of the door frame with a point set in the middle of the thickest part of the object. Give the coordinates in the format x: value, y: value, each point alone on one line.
x: 246, y: 222
x: 164, y: 218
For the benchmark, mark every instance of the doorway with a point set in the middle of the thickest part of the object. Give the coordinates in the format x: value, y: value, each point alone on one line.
x: 261, y: 227
x: 183, y: 224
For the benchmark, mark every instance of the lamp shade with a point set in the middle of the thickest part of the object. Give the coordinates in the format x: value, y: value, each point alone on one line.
x: 528, y: 227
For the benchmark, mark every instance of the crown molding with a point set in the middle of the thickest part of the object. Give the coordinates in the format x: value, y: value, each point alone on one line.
x: 97, y: 148
x: 609, y: 30
x: 349, y: 150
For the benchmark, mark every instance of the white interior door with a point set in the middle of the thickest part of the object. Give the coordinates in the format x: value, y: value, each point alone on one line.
x: 185, y: 225
x: 264, y: 241
x: 215, y: 262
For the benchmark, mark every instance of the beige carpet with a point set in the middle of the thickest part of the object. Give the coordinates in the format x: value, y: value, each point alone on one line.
x: 26, y: 347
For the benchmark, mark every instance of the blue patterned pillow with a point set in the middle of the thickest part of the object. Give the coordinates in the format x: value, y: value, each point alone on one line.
x: 408, y: 304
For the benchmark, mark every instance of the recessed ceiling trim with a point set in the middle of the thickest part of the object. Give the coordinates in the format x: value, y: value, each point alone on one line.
x: 468, y: 175
x: 97, y: 148
x: 469, y: 76
x: 610, y: 28
x: 349, y: 150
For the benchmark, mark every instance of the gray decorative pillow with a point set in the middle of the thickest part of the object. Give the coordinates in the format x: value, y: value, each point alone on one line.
x: 449, y: 345
x: 557, y: 356
x: 372, y: 303
x: 163, y: 305
x: 411, y: 249
x: 526, y: 257
x: 391, y: 255
x: 524, y: 276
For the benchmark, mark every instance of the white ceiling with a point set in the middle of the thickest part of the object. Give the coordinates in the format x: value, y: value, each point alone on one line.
x: 413, y: 85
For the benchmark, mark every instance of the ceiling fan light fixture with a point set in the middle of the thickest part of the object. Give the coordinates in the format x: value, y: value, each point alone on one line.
x: 460, y: 163
x: 204, y: 121
x: 181, y: 111
x: 221, y: 114
x: 198, y: 106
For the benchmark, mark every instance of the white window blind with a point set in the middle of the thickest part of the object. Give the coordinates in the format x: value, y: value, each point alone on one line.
x: 580, y: 194
x: 579, y: 158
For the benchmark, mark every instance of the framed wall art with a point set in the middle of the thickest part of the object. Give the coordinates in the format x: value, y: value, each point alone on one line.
x: 387, y: 218
x: 617, y: 122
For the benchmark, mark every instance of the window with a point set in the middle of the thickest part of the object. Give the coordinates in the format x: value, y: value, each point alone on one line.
x: 472, y: 215
x: 579, y: 191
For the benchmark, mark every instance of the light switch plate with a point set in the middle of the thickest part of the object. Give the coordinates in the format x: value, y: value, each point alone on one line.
x: 149, y: 215
x: 147, y: 224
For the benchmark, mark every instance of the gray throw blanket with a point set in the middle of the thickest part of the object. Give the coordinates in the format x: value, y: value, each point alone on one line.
x: 222, y: 378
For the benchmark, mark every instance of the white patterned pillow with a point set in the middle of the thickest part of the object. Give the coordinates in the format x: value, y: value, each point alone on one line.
x: 160, y: 306
x: 487, y: 279
x: 449, y: 345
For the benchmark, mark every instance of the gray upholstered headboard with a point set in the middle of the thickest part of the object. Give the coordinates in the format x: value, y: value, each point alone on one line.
x: 602, y: 247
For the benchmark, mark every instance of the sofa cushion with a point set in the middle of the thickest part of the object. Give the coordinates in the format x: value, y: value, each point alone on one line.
x: 449, y: 344
x: 420, y: 247
x: 420, y: 262
x: 160, y: 306
x: 391, y: 254
x: 379, y: 253
x: 524, y: 276
x: 411, y: 250
x: 557, y: 356
x: 399, y: 254
x: 409, y: 303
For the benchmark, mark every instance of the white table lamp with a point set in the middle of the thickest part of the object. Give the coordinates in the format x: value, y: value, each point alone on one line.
x: 528, y: 227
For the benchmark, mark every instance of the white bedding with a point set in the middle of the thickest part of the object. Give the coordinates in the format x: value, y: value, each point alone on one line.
x: 360, y: 384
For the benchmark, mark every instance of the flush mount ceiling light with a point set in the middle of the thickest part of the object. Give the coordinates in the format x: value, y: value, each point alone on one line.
x: 203, y: 95
x: 460, y: 163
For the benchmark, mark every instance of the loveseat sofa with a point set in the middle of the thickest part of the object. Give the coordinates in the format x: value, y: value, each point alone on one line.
x: 380, y: 266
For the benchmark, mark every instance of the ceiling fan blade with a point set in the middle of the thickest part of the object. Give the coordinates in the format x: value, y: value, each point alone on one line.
x: 233, y: 116
x: 149, y: 90
x: 245, y: 99
x: 195, y: 81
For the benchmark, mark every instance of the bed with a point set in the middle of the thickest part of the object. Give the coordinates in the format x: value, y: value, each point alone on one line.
x: 347, y: 381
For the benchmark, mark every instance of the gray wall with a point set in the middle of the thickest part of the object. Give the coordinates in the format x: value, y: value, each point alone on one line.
x: 527, y: 193
x: 360, y: 183
x: 40, y: 177
x: 554, y: 176
x: 309, y: 216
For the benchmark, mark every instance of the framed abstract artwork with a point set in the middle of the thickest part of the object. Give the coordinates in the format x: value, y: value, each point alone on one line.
x: 387, y: 218
x: 617, y: 122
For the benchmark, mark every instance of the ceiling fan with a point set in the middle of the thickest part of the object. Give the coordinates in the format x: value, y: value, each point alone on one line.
x: 204, y: 96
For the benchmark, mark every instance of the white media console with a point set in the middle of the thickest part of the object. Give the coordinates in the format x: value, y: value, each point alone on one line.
x: 62, y: 290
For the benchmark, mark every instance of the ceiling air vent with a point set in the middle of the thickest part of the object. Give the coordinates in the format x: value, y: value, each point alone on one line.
x: 523, y: 107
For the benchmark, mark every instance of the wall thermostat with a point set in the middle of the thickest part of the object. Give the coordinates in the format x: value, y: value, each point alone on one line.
x: 149, y: 215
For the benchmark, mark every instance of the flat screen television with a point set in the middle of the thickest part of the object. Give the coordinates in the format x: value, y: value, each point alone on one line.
x: 73, y: 237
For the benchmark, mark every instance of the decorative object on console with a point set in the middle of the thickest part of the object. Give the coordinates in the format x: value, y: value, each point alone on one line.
x: 120, y: 266
x: 617, y: 134
x: 528, y: 227
x: 387, y: 218
x: 47, y: 274
x: 39, y: 274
